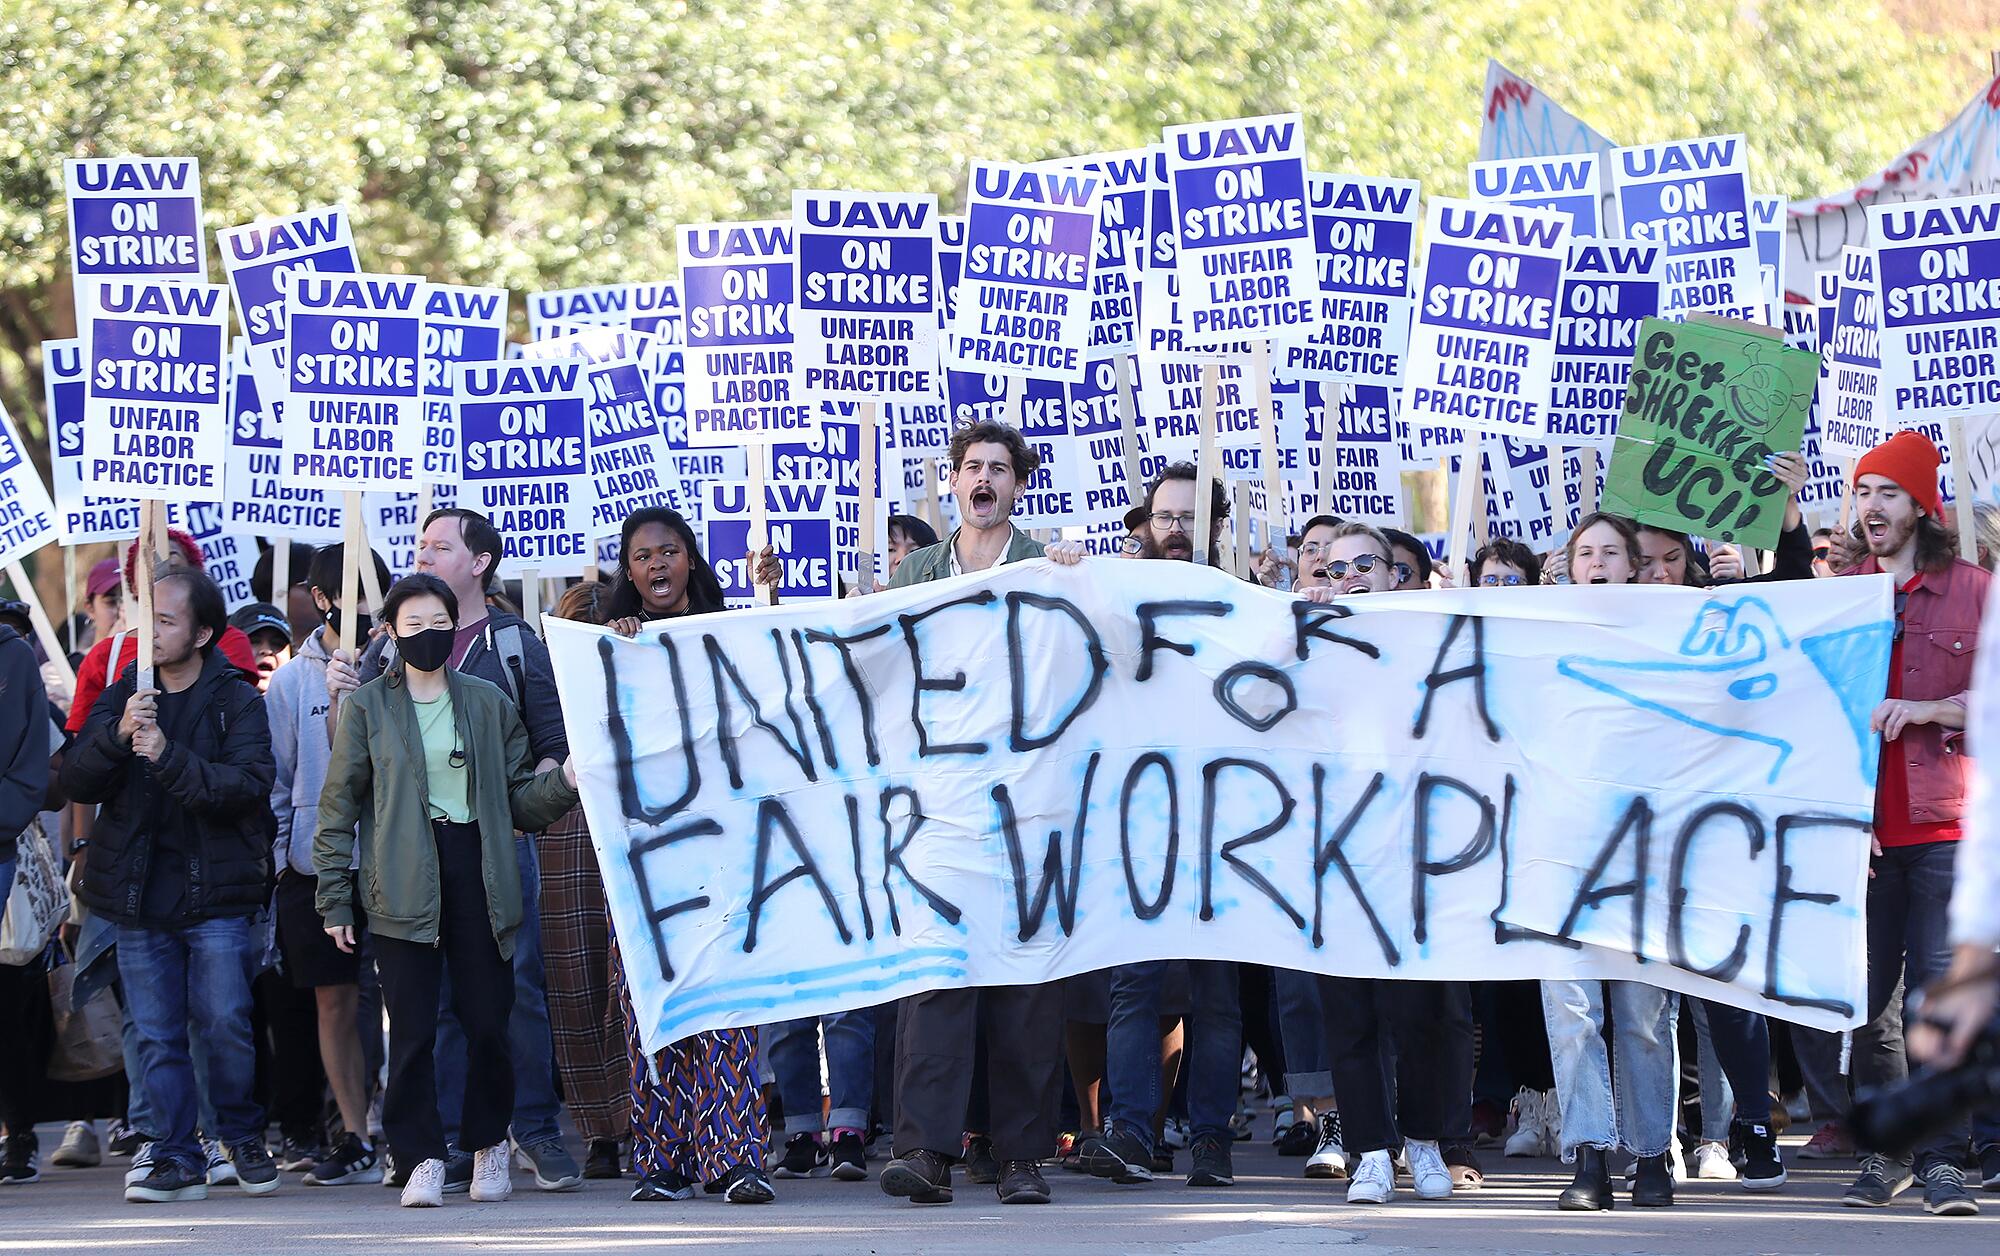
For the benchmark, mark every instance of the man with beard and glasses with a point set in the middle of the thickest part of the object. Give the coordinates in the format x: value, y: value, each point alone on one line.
x: 1920, y: 788
x: 1164, y: 524
x: 1020, y: 1027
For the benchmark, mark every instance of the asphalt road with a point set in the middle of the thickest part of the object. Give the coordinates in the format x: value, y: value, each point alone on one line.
x: 1271, y: 1210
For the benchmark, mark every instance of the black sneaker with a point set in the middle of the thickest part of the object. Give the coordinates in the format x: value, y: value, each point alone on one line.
x: 1881, y: 1180
x: 745, y: 1184
x: 1761, y: 1169
x: 1122, y: 1157
x: 1021, y: 1183
x: 1212, y: 1166
x: 603, y: 1160
x: 347, y: 1163
x: 662, y: 1187
x: 297, y: 1156
x: 1945, y: 1194
x: 803, y: 1158
x: 850, y: 1159
x: 1163, y: 1160
x: 256, y: 1172
x: 457, y: 1171
x: 922, y: 1177
x: 170, y: 1182
x: 981, y: 1167
x: 20, y: 1162
x: 126, y: 1139
x: 1078, y: 1159
x: 1299, y: 1139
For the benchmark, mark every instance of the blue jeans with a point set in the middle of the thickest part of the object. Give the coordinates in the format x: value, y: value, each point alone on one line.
x: 528, y: 1038
x: 193, y: 981
x: 1908, y: 900
x: 1636, y: 1107
x: 1214, y: 1065
x: 792, y: 1048
x: 1308, y: 1072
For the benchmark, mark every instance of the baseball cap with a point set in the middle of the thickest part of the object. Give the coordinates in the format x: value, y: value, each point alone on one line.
x: 103, y: 578
x: 259, y: 616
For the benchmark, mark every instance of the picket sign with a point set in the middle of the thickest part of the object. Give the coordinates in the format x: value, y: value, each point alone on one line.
x: 1128, y: 429
x: 1205, y: 462
x: 1267, y: 425
x: 864, y: 544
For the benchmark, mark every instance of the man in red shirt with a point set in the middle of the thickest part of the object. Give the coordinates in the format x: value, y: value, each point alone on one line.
x: 1920, y: 788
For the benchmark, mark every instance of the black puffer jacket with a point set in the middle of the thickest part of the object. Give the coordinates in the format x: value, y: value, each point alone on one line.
x: 221, y: 780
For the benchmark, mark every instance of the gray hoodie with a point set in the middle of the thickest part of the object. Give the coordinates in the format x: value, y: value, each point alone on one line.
x: 296, y: 702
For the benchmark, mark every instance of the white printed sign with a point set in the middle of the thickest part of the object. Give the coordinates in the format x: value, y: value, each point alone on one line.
x: 259, y: 501
x: 1122, y: 778
x: 1851, y: 393
x: 155, y: 411
x: 354, y: 404
x: 1609, y: 287
x: 81, y: 517
x: 1938, y: 270
x: 461, y: 324
x: 1023, y: 294
x: 524, y: 456
x: 1570, y: 184
x: 1693, y: 197
x: 1244, y: 252
x: 867, y: 319
x: 1364, y: 235
x: 739, y: 362
x: 27, y: 516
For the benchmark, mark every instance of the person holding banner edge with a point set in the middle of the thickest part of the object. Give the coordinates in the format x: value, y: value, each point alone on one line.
x: 434, y: 871
x: 1921, y: 784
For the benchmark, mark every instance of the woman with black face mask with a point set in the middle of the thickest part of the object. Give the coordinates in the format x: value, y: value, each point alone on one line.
x: 434, y: 767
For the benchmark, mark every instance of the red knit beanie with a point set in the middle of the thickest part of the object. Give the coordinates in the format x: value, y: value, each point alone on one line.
x: 183, y: 541
x: 1909, y: 459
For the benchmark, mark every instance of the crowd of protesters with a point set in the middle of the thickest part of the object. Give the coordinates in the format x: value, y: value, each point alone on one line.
x: 343, y: 909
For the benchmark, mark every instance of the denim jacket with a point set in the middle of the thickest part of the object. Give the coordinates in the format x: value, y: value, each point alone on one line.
x: 1940, y: 640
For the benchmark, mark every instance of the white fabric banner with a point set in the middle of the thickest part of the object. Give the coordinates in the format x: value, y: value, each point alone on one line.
x: 1039, y: 771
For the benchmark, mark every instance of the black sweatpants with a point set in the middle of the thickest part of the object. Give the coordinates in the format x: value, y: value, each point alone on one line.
x: 1022, y: 1030
x: 482, y: 996
x: 1359, y: 1013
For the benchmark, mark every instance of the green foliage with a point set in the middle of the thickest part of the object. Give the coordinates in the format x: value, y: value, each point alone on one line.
x: 544, y: 143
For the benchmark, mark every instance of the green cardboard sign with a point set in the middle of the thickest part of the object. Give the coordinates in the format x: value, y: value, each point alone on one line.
x: 1706, y: 406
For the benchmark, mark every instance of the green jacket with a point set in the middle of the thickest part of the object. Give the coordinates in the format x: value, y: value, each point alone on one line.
x: 376, y: 778
x: 933, y: 562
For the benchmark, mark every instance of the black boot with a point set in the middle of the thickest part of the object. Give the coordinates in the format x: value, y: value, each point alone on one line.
x: 1591, y: 1191
x: 1653, y: 1184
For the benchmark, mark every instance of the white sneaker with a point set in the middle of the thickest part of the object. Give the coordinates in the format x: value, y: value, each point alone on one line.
x: 1531, y: 1132
x: 1328, y: 1160
x: 1375, y: 1179
x: 425, y: 1189
x: 1428, y: 1175
x: 220, y: 1171
x: 79, y: 1148
x: 1711, y: 1163
x: 493, y: 1173
x: 142, y: 1164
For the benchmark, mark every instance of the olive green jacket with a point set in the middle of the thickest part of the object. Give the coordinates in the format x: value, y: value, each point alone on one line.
x: 376, y: 778
x: 933, y: 562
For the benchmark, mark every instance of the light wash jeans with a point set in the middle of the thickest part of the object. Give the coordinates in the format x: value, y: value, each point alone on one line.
x: 793, y: 1048
x: 1633, y: 1104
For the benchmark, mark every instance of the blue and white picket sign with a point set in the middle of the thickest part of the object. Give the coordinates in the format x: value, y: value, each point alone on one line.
x: 1364, y: 237
x: 639, y: 305
x: 1571, y: 184
x: 395, y: 520
x: 1023, y: 305
x: 1852, y: 421
x: 1366, y: 483
x: 1097, y: 445
x: 830, y: 457
x: 27, y: 516
x: 1051, y: 497
x: 866, y: 284
x: 227, y: 557
x: 132, y: 218
x: 259, y: 260
x: 917, y: 437
x: 799, y: 524
x: 81, y: 517
x: 1168, y: 395
x: 354, y: 404
x: 524, y: 442
x: 155, y: 421
x: 1163, y: 322
x: 1483, y: 348
x: 1939, y: 275
x: 628, y: 452
x: 1244, y: 248
x: 739, y: 366
x: 258, y: 501
x: 1522, y: 495
x: 1769, y: 221
x: 461, y: 324
x: 1608, y: 288
x: 1693, y: 196
x: 1121, y: 241
x: 1819, y: 498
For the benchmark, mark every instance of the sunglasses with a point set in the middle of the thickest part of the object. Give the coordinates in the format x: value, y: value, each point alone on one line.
x: 1496, y: 580
x: 1339, y: 567
x: 1821, y: 551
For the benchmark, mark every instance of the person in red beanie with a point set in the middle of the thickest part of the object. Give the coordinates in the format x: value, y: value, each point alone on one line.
x: 94, y: 675
x: 1920, y: 786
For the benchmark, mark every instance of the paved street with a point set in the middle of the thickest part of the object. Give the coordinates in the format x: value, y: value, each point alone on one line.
x: 1270, y: 1210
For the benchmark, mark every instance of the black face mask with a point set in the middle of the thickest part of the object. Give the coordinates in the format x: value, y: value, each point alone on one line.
x: 427, y: 650
x: 364, y: 623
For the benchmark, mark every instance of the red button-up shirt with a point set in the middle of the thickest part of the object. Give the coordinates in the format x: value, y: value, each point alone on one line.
x: 1925, y: 771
